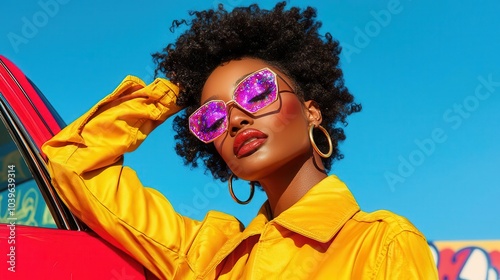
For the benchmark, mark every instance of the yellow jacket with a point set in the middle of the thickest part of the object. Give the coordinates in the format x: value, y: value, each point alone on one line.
x: 323, y: 236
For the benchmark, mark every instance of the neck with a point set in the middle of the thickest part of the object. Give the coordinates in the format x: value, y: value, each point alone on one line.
x: 289, y: 184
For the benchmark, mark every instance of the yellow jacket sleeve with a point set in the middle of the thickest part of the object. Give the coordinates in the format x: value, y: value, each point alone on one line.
x: 407, y: 257
x: 85, y: 162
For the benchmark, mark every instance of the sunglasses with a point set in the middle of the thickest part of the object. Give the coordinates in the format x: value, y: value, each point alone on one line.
x: 257, y: 91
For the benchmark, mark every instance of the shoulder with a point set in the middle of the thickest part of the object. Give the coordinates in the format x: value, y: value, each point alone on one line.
x: 401, y: 250
x: 387, y: 222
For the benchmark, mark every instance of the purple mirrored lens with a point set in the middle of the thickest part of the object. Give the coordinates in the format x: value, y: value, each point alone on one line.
x: 256, y: 91
x: 209, y: 121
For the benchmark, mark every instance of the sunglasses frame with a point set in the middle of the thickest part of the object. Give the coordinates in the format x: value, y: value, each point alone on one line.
x: 233, y: 101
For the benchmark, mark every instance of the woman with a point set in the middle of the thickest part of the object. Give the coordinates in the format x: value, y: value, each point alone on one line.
x: 262, y: 93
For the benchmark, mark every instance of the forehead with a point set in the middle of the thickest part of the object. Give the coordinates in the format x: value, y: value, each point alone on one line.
x: 222, y: 81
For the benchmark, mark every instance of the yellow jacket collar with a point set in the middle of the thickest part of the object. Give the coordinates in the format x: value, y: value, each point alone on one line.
x: 321, y: 212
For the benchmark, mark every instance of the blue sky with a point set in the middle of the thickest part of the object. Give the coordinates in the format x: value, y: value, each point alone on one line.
x: 427, y: 74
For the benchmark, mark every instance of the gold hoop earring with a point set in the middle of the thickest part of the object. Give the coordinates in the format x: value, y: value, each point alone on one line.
x: 315, y: 147
x: 230, y: 186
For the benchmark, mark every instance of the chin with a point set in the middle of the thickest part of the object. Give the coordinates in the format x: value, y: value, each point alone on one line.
x: 253, y: 167
x: 260, y: 168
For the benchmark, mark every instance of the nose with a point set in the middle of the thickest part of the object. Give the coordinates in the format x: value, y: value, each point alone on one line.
x: 238, y: 119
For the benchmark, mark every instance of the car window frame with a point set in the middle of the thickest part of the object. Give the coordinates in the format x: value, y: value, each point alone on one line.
x: 32, y: 155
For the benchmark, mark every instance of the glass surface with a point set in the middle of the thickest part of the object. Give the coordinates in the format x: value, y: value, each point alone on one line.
x: 21, y: 202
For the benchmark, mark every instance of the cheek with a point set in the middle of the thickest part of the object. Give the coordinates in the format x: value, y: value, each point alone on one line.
x: 292, y: 108
x: 290, y: 116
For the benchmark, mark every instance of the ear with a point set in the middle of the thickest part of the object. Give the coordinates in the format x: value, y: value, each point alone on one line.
x: 313, y: 113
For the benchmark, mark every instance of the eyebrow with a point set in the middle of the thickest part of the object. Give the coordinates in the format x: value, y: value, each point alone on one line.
x: 216, y: 97
x: 244, y: 77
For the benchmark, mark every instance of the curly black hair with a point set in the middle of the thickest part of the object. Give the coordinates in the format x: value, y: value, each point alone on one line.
x: 285, y: 38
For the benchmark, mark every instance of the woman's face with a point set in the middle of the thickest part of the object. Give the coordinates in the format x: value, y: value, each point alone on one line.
x: 256, y: 145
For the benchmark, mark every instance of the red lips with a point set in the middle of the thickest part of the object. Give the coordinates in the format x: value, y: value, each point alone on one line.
x: 248, y: 141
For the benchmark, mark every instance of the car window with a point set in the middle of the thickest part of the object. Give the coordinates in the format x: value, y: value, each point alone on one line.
x: 20, y: 199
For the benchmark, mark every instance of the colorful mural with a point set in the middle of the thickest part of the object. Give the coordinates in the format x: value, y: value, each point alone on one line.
x: 471, y: 260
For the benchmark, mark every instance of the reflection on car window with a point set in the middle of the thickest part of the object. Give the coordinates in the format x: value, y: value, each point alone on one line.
x: 20, y: 198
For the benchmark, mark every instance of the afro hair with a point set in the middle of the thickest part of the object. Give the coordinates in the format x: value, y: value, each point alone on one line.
x: 285, y: 38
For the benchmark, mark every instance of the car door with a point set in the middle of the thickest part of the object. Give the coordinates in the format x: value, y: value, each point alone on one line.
x: 39, y: 237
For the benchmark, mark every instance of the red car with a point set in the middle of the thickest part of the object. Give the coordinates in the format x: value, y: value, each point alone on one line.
x: 39, y: 237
